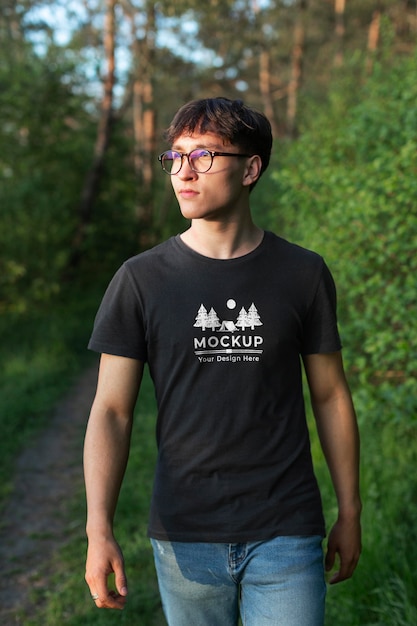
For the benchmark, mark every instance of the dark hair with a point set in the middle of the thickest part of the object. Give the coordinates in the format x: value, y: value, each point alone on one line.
x: 232, y: 120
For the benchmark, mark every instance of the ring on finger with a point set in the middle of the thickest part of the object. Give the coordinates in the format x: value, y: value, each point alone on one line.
x: 94, y: 596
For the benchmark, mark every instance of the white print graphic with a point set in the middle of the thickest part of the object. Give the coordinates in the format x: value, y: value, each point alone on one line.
x: 228, y: 340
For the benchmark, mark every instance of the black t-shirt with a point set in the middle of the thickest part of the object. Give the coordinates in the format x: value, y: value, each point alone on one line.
x: 223, y: 339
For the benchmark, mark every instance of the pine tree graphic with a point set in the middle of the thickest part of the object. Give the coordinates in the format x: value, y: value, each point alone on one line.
x: 213, y: 320
x: 242, y: 319
x: 201, y: 321
x: 253, y: 317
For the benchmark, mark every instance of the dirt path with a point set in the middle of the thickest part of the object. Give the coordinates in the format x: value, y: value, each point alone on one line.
x: 35, y: 522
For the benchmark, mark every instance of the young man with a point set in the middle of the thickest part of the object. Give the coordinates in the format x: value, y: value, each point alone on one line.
x: 222, y: 314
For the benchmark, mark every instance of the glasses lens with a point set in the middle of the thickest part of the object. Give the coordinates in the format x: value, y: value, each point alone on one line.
x: 201, y: 160
x: 171, y: 161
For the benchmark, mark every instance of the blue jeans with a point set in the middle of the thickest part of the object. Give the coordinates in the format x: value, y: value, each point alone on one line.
x: 270, y: 583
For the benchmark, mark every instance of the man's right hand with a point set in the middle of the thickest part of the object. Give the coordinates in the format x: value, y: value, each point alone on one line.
x: 104, y: 558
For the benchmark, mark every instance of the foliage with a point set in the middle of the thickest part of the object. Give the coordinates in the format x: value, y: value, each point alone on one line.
x: 44, y: 130
x: 349, y: 188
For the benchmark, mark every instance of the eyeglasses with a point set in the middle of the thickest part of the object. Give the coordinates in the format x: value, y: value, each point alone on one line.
x: 200, y: 160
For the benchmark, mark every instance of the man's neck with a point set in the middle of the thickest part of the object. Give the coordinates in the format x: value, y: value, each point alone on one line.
x: 222, y: 241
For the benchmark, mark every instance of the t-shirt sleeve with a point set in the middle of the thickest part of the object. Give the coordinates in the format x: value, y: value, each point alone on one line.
x: 320, y: 331
x: 118, y: 326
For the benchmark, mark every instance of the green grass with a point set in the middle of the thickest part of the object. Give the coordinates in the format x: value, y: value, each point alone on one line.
x: 41, y: 352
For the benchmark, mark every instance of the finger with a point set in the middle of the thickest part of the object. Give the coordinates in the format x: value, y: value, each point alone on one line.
x: 102, y: 596
x: 338, y: 577
x: 330, y: 558
x: 102, y: 591
x: 347, y: 567
x: 115, y: 601
x: 112, y: 600
x: 121, y: 582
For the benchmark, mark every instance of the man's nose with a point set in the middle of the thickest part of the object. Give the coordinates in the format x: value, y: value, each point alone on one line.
x: 186, y: 172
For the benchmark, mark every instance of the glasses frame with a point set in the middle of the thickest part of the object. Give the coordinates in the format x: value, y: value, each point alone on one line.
x: 212, y: 153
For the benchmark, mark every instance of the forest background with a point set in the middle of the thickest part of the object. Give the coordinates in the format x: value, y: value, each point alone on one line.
x: 86, y: 89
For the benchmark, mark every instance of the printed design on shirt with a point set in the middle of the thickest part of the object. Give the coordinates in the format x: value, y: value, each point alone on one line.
x: 234, y: 340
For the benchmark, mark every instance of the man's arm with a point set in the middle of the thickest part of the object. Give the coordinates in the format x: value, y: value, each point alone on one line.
x: 338, y: 432
x: 106, y: 450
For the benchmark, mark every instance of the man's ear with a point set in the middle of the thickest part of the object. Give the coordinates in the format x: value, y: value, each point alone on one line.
x: 252, y: 170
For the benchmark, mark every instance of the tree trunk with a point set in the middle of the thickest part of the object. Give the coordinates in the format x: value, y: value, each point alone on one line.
x: 339, y: 8
x: 373, y: 39
x: 265, y: 87
x: 92, y: 180
x: 296, y: 67
x: 144, y: 122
